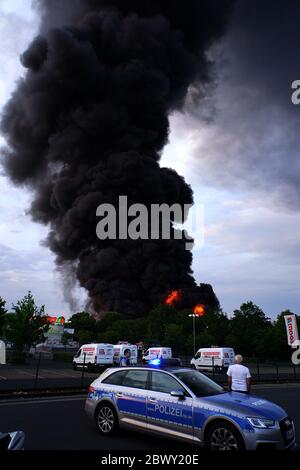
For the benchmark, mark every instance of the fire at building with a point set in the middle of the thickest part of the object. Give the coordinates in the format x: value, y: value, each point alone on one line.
x: 199, y: 299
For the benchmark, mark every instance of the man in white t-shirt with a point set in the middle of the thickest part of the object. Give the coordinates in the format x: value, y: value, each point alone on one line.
x: 239, y: 377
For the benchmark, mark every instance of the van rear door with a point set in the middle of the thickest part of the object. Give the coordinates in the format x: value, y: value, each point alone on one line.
x: 110, y: 354
x: 133, y: 352
x: 105, y: 354
x: 88, y: 354
x: 168, y: 353
x: 226, y: 358
x: 133, y: 358
x: 117, y: 353
x: 231, y: 357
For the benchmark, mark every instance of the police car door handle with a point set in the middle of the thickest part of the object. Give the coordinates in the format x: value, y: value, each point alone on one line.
x: 119, y: 395
x: 152, y: 400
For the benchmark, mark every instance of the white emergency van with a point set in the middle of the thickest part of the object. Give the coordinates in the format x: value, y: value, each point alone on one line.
x: 119, y: 352
x: 207, y: 358
x: 160, y: 352
x: 94, y: 356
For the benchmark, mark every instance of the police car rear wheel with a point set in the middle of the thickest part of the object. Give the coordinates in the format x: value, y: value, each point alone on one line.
x: 106, y: 419
x: 223, y: 436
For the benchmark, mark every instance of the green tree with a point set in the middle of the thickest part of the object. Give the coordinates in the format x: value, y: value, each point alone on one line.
x: 108, y: 319
x: 124, y: 330
x: 217, y: 326
x: 247, y: 325
x: 203, y: 340
x: 27, y: 325
x: 173, y: 338
x: 157, y: 320
x: 210, y: 328
x: 65, y: 338
x: 82, y: 321
x: 84, y: 336
x: 265, y: 346
x: 109, y: 336
x: 3, y: 312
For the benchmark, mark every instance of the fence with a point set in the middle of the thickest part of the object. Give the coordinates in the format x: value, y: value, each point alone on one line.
x: 42, y: 372
x: 267, y: 371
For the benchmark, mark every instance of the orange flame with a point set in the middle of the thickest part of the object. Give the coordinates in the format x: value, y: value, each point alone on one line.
x: 174, y: 296
x: 199, y: 310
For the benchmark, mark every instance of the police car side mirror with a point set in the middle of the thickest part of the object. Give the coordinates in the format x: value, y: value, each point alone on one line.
x: 178, y: 394
x: 12, y: 441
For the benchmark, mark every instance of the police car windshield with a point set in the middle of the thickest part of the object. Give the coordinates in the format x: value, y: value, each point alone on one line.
x: 198, y: 383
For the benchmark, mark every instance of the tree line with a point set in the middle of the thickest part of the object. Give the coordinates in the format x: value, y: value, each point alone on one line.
x: 249, y: 330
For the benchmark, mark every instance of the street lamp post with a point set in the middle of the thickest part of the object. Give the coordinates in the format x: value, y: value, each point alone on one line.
x: 194, y: 331
x: 199, y: 310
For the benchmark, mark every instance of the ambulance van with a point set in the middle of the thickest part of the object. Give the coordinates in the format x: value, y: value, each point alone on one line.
x: 207, y: 358
x: 160, y: 352
x: 94, y: 356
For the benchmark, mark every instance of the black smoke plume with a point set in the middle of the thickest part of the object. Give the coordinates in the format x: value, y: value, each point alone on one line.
x: 89, y: 122
x: 202, y: 294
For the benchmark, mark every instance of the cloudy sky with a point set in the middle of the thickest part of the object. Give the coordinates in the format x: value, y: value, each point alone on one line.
x: 241, y: 156
x: 24, y: 263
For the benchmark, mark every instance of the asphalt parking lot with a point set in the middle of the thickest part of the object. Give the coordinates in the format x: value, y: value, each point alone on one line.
x: 61, y: 423
x: 50, y: 375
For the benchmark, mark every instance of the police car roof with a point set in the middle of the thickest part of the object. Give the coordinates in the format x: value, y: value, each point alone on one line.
x: 170, y: 368
x: 149, y: 367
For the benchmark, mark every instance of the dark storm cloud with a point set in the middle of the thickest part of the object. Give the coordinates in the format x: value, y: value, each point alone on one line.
x: 89, y: 123
x: 253, y: 139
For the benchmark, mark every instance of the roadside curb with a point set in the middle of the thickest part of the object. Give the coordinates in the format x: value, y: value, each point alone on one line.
x: 12, y: 394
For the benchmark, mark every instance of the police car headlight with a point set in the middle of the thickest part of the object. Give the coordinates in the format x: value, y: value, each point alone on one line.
x: 261, y: 422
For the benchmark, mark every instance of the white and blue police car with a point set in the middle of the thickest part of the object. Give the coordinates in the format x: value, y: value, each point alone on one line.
x: 184, y: 404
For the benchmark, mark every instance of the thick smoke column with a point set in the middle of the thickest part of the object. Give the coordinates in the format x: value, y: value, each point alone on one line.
x: 88, y: 123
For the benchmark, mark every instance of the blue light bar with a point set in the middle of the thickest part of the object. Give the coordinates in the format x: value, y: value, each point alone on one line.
x: 154, y: 362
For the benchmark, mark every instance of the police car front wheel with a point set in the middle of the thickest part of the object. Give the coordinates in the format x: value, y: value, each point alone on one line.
x: 224, y: 436
x: 106, y: 419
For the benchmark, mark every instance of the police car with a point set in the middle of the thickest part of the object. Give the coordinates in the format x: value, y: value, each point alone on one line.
x: 184, y: 404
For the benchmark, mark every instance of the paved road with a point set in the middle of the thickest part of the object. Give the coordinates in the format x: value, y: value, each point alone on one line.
x: 60, y: 423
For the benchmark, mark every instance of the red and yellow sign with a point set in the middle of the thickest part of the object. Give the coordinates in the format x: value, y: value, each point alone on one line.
x: 56, y: 320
